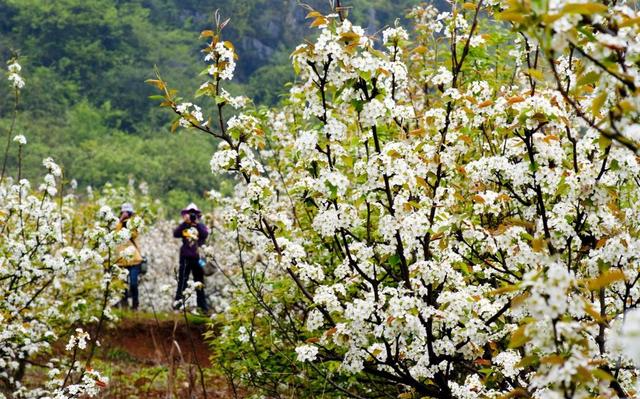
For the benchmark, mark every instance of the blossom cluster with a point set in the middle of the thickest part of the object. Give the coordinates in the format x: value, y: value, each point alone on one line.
x: 13, y: 74
x: 224, y: 58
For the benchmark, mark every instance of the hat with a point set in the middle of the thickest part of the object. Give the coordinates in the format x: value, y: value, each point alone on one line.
x: 126, y: 207
x: 191, y: 208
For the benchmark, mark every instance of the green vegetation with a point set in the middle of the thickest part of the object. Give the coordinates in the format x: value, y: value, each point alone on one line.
x: 85, y: 66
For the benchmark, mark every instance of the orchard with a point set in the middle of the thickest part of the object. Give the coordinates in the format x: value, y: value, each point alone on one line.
x: 446, y: 209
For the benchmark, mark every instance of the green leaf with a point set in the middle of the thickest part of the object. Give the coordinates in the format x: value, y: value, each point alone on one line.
x: 604, y: 142
x: 563, y: 187
x: 358, y: 105
x: 535, y: 73
x: 589, y: 78
x: 394, y: 260
x: 526, y: 236
x: 587, y: 33
x: 602, y: 375
x: 597, y: 103
x: 528, y: 361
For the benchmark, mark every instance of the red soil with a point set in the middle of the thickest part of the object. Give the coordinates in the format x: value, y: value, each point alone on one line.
x: 154, y: 342
x: 168, y: 344
x: 145, y: 358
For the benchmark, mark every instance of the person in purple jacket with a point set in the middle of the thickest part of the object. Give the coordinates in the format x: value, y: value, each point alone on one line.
x: 193, y: 234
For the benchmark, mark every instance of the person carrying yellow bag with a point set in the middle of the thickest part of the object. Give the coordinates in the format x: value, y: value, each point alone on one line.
x: 129, y: 255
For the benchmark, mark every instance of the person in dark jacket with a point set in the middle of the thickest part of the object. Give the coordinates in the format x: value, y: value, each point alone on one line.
x: 193, y: 234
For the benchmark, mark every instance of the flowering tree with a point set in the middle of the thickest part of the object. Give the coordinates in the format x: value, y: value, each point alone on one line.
x: 447, y: 215
x: 57, y: 277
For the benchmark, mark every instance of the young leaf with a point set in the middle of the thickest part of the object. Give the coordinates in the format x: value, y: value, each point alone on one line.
x: 584, y: 8
x: 608, y: 277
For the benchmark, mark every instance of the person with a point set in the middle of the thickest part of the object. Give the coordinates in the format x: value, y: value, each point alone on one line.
x: 193, y: 234
x: 129, y: 255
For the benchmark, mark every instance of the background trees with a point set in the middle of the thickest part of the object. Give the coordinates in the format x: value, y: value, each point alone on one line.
x: 87, y: 62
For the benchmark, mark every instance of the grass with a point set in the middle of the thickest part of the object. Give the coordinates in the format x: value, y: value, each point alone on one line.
x: 119, y: 355
x: 141, y: 316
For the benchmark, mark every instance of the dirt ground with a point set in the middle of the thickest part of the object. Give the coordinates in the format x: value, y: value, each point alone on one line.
x: 149, y: 341
x: 146, y: 358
